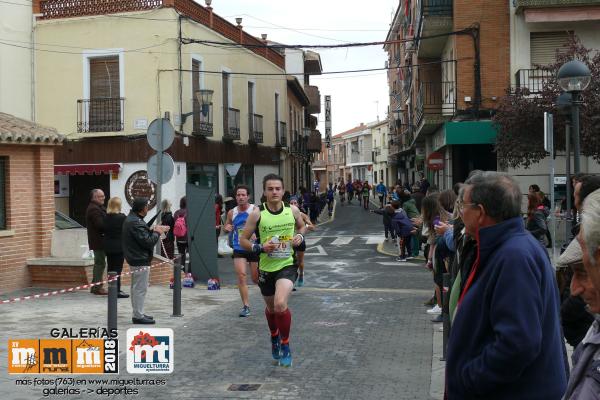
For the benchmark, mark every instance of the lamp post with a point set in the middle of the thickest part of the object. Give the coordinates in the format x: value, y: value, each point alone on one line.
x: 574, y: 77
x: 564, y: 103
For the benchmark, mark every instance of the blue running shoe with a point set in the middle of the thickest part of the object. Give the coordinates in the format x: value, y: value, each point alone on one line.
x: 276, y: 347
x: 245, y: 312
x: 286, y: 356
x: 300, y: 281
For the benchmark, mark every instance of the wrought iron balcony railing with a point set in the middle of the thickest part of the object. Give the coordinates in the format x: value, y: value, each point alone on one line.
x: 233, y: 128
x: 256, y: 128
x: 101, y: 115
x: 437, y: 7
x: 203, y: 119
x: 435, y: 98
x: 532, y: 79
x: 281, y: 129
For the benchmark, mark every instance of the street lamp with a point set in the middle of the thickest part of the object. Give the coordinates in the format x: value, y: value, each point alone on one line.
x: 564, y: 104
x: 574, y: 77
x: 204, y: 97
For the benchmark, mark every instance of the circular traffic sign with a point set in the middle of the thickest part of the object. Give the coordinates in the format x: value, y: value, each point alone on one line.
x: 158, y: 127
x: 168, y: 166
x: 435, y: 161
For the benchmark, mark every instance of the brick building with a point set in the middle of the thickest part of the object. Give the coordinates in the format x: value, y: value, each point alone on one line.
x: 448, y: 69
x: 26, y: 197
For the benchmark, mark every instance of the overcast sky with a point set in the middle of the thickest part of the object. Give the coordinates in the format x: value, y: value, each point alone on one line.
x: 354, y: 97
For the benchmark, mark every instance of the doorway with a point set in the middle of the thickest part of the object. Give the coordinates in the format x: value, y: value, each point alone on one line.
x: 80, y: 188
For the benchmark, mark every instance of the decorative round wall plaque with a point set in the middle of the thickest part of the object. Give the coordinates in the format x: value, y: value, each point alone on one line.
x: 138, y: 185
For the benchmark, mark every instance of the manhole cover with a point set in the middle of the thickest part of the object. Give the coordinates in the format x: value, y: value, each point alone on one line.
x: 243, y: 387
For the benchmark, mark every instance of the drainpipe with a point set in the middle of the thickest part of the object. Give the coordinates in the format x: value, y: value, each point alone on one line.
x: 180, y: 74
x: 33, y: 92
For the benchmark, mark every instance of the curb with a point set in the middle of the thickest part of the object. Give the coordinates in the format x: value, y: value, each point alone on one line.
x: 332, y: 215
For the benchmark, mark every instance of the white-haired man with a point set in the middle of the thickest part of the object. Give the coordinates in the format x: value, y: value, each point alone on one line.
x: 584, y: 381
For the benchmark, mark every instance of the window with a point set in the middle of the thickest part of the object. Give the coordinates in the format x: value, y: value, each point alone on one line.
x: 245, y: 176
x: 105, y: 95
x: 226, y: 84
x: 3, y: 164
x: 196, y: 67
x: 543, y: 46
x: 203, y: 175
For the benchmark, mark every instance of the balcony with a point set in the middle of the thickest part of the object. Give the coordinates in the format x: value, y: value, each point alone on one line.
x: 232, y: 130
x: 314, y: 96
x: 313, y: 143
x: 435, y: 19
x: 256, y: 128
x: 101, y: 115
x: 319, y: 164
x: 523, y: 4
x: 203, y: 123
x: 533, y: 80
x: 435, y: 102
x: 281, y: 129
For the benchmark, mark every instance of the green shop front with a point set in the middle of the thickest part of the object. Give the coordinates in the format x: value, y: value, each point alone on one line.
x: 465, y: 146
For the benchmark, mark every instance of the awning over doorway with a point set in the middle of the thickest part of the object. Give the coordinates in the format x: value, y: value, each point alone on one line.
x: 86, y: 169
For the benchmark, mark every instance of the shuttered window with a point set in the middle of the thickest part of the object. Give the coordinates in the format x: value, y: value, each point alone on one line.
x: 104, y: 77
x: 196, y: 87
x: 105, y: 103
x: 3, y: 192
x: 543, y: 46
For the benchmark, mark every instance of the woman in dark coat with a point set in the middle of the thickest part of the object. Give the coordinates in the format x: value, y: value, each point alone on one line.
x: 536, y: 218
x: 113, y: 245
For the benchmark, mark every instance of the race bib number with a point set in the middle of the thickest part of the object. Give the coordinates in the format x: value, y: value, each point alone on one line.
x: 284, y: 247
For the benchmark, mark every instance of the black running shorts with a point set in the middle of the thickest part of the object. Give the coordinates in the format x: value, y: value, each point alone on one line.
x: 301, y: 247
x: 249, y: 256
x: 267, y: 280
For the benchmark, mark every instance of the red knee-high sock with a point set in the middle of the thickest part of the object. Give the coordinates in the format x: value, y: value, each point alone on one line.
x: 271, y: 320
x: 284, y: 323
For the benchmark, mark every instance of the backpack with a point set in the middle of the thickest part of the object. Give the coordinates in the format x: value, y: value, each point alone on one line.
x: 330, y: 194
x: 180, y: 228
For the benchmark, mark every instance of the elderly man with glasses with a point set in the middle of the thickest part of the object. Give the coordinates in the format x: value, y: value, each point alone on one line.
x: 584, y: 381
x: 505, y: 341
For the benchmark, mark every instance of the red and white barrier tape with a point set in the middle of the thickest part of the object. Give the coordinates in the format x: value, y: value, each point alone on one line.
x: 89, y: 285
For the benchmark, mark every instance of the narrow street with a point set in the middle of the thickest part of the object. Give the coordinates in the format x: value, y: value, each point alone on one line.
x: 359, y: 328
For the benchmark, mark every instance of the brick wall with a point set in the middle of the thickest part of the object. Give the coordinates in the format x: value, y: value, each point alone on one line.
x: 30, y: 211
x: 493, y: 17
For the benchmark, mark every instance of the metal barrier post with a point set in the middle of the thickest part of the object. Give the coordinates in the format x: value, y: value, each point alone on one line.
x: 113, y: 293
x: 445, y: 313
x: 176, y: 290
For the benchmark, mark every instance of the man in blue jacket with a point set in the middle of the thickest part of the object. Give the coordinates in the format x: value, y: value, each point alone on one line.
x: 506, y: 341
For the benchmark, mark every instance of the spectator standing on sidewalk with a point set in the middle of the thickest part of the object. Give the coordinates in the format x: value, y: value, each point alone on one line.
x: 167, y: 219
x: 536, y: 219
x: 506, y: 341
x: 584, y: 381
x: 113, y: 241
x: 94, y: 221
x: 218, y: 213
x: 180, y: 233
x: 138, y: 246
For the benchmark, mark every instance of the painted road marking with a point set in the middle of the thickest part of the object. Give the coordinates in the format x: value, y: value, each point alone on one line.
x: 320, y: 251
x: 375, y: 239
x: 342, y: 240
x: 311, y: 241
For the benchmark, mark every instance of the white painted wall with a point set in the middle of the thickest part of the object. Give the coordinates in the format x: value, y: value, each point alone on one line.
x: 15, y: 62
x: 259, y: 173
x: 173, y: 190
x: 587, y: 31
x: 294, y: 63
